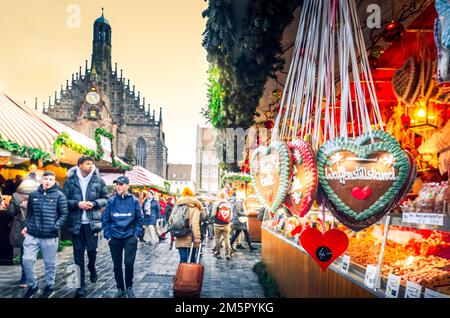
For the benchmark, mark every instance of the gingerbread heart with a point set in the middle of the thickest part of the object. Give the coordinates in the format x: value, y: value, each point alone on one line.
x: 345, y: 164
x: 382, y: 136
x: 324, y: 248
x: 304, y: 179
x: 271, y: 171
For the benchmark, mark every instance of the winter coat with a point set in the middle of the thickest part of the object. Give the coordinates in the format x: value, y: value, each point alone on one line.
x: 18, y: 212
x: 151, y: 211
x: 194, y: 221
x: 46, y: 212
x: 122, y: 217
x: 238, y: 211
x: 168, y: 211
x: 96, y: 192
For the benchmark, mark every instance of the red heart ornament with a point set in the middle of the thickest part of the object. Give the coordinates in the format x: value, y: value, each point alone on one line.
x: 361, y: 194
x: 324, y: 248
x: 304, y: 179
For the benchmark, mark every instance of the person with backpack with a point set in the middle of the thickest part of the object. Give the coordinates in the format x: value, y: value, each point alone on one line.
x: 222, y: 214
x: 122, y: 225
x: 240, y: 222
x: 184, y: 223
x: 17, y: 208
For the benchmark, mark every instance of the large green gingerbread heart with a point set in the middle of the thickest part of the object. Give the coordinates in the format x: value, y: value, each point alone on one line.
x: 271, y: 172
x: 361, y: 179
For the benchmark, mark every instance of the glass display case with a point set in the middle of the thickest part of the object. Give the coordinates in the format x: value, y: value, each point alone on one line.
x: 391, y: 258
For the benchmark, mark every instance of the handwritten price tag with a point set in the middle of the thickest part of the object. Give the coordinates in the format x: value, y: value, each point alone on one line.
x: 393, y: 286
x: 413, y: 290
x: 434, y: 294
x: 345, y: 264
x: 369, y: 278
x: 423, y: 218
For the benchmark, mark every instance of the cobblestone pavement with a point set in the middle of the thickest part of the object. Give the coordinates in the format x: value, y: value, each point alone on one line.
x: 153, y: 274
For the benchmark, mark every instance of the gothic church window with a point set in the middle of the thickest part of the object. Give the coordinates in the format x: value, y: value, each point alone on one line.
x: 141, y: 152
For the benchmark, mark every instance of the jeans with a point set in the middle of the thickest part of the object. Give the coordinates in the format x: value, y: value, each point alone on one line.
x: 23, y: 277
x: 151, y: 235
x: 48, y: 247
x: 117, y: 247
x: 184, y: 254
x: 86, y: 240
x: 247, y: 237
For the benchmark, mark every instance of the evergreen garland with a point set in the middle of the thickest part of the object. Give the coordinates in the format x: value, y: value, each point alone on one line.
x: 26, y: 152
x: 99, y: 155
x: 64, y: 140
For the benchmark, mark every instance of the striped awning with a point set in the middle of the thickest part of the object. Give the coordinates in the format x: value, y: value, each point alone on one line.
x: 142, y: 177
x: 19, y: 125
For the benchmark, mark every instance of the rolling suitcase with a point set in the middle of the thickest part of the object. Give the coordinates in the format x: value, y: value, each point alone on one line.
x: 188, y: 279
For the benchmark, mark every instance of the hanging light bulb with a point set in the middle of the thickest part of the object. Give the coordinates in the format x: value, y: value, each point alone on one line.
x: 421, y: 113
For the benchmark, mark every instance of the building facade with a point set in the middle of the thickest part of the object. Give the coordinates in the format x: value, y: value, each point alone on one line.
x: 207, y: 176
x: 100, y: 97
x: 180, y: 177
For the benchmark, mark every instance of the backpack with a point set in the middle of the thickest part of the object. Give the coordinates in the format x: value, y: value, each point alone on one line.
x: 179, y: 221
x: 224, y: 212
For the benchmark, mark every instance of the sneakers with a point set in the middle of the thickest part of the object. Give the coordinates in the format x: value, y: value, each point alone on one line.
x: 93, y: 277
x: 228, y: 256
x: 23, y: 285
x: 81, y: 292
x: 130, y: 292
x: 30, y: 292
x: 120, y: 294
x: 240, y: 246
x: 48, y: 291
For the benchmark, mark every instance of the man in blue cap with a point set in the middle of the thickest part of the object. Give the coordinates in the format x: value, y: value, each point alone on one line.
x: 122, y: 225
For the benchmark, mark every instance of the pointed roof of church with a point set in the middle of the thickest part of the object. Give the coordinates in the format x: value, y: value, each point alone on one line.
x: 102, y: 19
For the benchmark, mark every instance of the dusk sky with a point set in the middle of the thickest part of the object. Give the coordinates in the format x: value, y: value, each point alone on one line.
x: 157, y: 43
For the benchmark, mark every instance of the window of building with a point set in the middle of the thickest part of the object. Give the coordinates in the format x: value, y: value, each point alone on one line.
x: 141, y: 152
x: 205, y: 160
x: 213, y: 173
x: 205, y: 173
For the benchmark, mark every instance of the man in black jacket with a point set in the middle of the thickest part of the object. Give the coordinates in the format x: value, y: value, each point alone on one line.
x: 86, y: 194
x: 46, y: 214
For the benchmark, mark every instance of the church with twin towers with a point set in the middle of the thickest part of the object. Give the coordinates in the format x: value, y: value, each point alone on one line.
x: 100, y: 97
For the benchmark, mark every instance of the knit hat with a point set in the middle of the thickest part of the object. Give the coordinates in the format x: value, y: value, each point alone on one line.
x: 187, y: 192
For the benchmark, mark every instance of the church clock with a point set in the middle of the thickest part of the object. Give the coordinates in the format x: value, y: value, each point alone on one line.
x: 93, y: 98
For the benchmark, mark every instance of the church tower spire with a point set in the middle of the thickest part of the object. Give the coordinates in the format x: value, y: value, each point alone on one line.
x: 101, y: 46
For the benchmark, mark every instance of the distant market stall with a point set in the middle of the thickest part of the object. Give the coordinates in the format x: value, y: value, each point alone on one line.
x: 140, y: 180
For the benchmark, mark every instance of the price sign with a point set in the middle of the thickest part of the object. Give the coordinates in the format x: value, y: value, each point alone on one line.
x: 393, y: 286
x: 370, y: 277
x: 434, y: 294
x: 423, y: 218
x: 345, y: 264
x: 413, y: 290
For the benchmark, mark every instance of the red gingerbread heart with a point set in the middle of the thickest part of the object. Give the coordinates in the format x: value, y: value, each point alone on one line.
x: 361, y: 194
x: 304, y: 179
x: 324, y: 248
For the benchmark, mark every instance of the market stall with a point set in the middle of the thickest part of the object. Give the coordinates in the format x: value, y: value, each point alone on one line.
x: 31, y: 142
x: 347, y: 216
x: 140, y: 180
